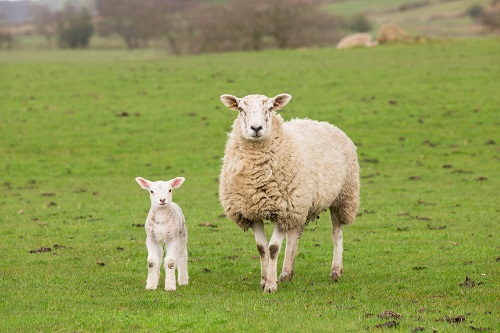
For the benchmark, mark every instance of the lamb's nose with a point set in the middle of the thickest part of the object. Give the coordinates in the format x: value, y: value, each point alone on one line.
x: 162, y: 200
x: 256, y: 129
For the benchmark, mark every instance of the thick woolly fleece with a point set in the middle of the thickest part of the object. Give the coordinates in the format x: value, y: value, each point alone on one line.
x: 303, y: 168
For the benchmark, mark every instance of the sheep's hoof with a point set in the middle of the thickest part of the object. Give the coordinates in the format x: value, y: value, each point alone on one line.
x: 150, y: 287
x: 336, y: 273
x: 183, y: 282
x: 263, y: 283
x: 270, y: 287
x: 170, y: 288
x: 285, y: 276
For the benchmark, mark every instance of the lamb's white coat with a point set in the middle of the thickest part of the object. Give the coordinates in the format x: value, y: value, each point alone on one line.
x: 288, y: 173
x: 165, y: 230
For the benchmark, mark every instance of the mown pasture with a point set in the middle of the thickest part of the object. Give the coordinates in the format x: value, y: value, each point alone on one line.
x: 76, y: 128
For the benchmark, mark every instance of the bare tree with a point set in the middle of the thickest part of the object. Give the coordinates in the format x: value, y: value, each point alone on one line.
x: 260, y: 24
x: 490, y: 17
x: 129, y: 19
x: 175, y: 21
x: 138, y: 21
x: 45, y: 23
x: 194, y: 26
x: 6, y: 40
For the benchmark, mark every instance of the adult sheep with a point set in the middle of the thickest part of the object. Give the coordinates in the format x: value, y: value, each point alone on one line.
x: 288, y: 173
x: 358, y: 39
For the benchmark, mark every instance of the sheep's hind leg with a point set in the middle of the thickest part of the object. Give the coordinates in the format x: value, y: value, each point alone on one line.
x: 292, y: 244
x: 155, y: 253
x: 337, y: 236
x: 262, y: 247
x: 274, y: 251
x: 182, y: 267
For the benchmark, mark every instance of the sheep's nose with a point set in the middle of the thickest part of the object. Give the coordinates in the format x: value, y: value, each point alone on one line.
x: 162, y: 201
x: 256, y: 129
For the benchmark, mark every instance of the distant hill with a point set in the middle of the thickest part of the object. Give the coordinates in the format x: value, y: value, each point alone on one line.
x: 437, y: 18
x: 14, y: 11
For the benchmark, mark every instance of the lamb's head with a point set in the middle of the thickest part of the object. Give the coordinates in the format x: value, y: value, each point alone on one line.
x: 160, y: 191
x: 255, y: 113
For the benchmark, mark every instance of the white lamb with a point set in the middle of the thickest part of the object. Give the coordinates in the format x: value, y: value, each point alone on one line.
x: 165, y: 228
x: 288, y: 173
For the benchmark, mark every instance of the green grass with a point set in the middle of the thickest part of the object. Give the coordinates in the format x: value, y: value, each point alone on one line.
x: 77, y: 127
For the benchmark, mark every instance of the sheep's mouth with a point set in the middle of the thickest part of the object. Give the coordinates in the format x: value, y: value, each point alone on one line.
x: 256, y: 136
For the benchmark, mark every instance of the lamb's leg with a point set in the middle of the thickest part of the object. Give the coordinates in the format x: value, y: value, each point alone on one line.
x: 155, y: 253
x: 262, y: 247
x: 292, y: 244
x: 170, y: 265
x: 182, y: 266
x: 336, y: 271
x: 274, y: 251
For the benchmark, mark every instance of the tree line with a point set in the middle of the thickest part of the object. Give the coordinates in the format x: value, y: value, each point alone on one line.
x: 197, y: 26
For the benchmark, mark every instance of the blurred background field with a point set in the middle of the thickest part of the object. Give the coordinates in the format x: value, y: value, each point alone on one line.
x: 201, y: 26
x: 78, y: 124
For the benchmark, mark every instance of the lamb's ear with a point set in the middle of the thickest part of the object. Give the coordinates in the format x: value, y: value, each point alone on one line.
x: 177, y: 182
x: 279, y: 101
x: 230, y: 101
x: 145, y: 184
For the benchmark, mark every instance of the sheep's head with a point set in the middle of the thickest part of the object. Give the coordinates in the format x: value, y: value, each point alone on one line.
x: 160, y: 191
x: 255, y: 113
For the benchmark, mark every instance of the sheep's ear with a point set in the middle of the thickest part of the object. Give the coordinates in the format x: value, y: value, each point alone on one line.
x: 279, y: 101
x: 145, y: 184
x: 177, y: 182
x: 230, y: 101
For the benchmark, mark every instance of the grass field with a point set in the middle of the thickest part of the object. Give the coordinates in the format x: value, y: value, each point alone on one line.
x: 76, y: 128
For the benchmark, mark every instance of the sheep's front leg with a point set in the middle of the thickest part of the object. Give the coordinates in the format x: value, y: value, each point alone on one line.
x: 274, y: 251
x: 292, y: 244
x: 262, y: 247
x: 337, y: 236
x: 170, y: 265
x: 155, y: 253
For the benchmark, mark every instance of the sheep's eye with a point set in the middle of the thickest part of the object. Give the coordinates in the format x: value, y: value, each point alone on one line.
x: 270, y: 109
x: 152, y: 192
x: 240, y: 109
x: 170, y: 190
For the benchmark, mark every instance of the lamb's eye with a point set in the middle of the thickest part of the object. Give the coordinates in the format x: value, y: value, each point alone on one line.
x: 152, y: 192
x: 170, y: 190
x: 240, y: 109
x: 270, y: 109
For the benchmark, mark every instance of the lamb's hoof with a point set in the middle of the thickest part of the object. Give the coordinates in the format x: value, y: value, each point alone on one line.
x: 170, y: 288
x: 183, y: 282
x: 285, y: 276
x: 270, y: 287
x: 263, y: 283
x: 336, y: 273
x: 151, y: 287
